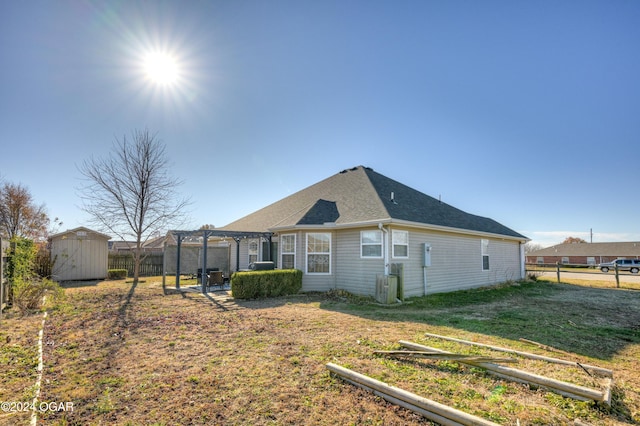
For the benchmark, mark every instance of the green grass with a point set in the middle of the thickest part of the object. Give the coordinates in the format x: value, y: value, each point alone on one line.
x: 541, y: 311
x: 144, y: 355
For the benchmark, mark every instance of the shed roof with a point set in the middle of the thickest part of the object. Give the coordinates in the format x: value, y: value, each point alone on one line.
x: 361, y: 195
x: 620, y: 249
x: 79, y: 229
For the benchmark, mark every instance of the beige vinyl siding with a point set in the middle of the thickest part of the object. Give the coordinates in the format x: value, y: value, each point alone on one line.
x: 505, y: 258
x: 233, y: 255
x: 353, y: 273
x: 457, y: 263
x: 244, y: 255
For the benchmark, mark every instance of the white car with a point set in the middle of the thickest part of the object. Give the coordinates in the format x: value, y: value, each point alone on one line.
x: 631, y: 265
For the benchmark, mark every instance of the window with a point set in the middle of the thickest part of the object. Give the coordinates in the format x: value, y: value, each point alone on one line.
x: 540, y: 260
x: 400, y: 243
x: 485, y: 255
x: 318, y: 253
x: 288, y: 250
x: 371, y: 244
x: 253, y: 251
x: 565, y: 260
x: 591, y: 260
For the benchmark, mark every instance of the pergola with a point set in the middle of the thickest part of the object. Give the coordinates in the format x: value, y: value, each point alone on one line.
x: 237, y: 236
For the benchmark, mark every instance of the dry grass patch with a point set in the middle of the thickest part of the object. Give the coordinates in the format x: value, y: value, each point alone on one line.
x: 18, y: 362
x: 146, y: 355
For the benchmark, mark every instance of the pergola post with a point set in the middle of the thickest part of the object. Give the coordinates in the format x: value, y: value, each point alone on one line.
x: 237, y: 240
x: 204, y: 276
x: 178, y: 262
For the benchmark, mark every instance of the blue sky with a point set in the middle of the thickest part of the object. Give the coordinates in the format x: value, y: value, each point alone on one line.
x: 526, y: 112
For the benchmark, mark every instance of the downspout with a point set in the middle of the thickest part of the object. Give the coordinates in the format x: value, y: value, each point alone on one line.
x: 385, y: 248
x: 523, y: 268
x: 424, y: 279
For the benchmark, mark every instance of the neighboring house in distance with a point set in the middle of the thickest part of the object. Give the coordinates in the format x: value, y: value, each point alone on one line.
x: 79, y: 254
x: 346, y: 230
x: 121, y: 247
x: 152, y: 245
x: 584, y: 253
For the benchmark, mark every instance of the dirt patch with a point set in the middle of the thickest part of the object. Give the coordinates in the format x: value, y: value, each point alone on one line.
x: 601, y: 307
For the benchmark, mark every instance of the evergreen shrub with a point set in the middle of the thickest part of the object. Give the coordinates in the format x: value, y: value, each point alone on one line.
x: 116, y: 274
x: 261, y: 284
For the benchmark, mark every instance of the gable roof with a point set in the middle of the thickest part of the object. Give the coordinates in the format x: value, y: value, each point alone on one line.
x: 619, y: 249
x: 358, y: 196
x: 80, y: 229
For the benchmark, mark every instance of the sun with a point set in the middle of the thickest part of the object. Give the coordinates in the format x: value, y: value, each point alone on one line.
x: 161, y: 68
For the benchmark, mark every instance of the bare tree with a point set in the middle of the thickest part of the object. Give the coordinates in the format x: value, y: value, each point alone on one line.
x: 19, y: 215
x: 531, y: 247
x: 131, y: 193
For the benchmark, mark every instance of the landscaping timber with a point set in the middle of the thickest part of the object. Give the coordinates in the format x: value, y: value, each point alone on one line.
x: 543, y: 346
x: 603, y: 371
x: 432, y: 410
x: 448, y: 357
x: 581, y: 393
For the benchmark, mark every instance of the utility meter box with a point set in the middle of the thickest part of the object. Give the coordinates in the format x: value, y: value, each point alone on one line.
x: 426, y: 248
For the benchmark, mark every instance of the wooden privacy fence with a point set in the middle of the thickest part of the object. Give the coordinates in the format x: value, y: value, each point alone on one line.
x: 151, y: 264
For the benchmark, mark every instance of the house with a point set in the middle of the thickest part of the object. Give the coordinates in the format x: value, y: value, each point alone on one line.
x: 152, y: 245
x: 356, y: 225
x: 79, y: 254
x: 584, y: 253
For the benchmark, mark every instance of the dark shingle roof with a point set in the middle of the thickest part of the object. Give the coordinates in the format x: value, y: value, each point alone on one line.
x: 361, y: 195
x: 620, y: 249
x: 414, y: 206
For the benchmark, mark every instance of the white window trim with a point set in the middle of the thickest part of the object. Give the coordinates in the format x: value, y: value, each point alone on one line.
x: 282, y: 252
x: 252, y: 253
x: 362, y: 244
x: 393, y: 243
x: 484, y: 249
x: 307, y: 253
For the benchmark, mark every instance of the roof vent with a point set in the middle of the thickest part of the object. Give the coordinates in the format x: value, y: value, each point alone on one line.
x: 393, y: 197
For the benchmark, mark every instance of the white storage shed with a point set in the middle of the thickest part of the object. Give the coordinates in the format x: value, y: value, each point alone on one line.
x: 79, y: 254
